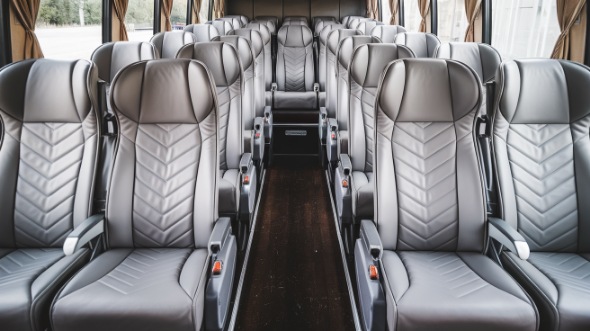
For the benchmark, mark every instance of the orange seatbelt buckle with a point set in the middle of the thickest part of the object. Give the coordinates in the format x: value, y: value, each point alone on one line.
x: 373, y: 272
x: 344, y: 183
x: 246, y: 180
x: 217, y: 268
x: 333, y: 135
x: 257, y: 135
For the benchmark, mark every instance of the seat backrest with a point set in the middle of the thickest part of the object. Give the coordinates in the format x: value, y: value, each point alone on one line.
x: 48, y: 149
x: 243, y: 19
x: 247, y: 63
x: 422, y: 44
x: 295, y: 67
x: 222, y: 26
x: 366, y: 68
x: 366, y: 27
x: 429, y: 193
x: 541, y: 142
x: 316, y: 19
x: 482, y: 58
x: 323, y: 53
x: 223, y: 62
x: 271, y: 22
x: 387, y: 33
x: 111, y: 57
x: 168, y: 43
x: 235, y: 22
x: 334, y: 38
x: 267, y: 39
x: 257, y: 44
x: 343, y: 57
x: 346, y: 20
x: 203, y: 32
x: 354, y: 22
x: 163, y: 190
x: 320, y: 25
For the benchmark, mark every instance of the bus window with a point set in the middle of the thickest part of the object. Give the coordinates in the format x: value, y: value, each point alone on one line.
x: 69, y: 29
x: 524, y: 28
x: 452, y: 20
x: 412, y: 16
x: 139, y: 20
x: 178, y: 16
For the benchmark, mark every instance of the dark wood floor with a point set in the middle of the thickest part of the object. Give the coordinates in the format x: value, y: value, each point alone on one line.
x: 295, y: 278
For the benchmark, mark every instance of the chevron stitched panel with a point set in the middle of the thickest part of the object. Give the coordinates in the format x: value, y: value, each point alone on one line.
x: 570, y: 272
x: 50, y: 159
x: 227, y: 98
x: 365, y: 98
x: 143, y: 269
x: 295, y: 69
x: 20, y: 267
x: 167, y: 157
x: 541, y: 160
x: 427, y: 193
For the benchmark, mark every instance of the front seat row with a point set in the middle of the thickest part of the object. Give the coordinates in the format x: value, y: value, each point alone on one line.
x: 170, y: 260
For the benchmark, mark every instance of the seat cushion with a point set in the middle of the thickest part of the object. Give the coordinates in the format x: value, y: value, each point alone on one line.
x: 135, y: 289
x: 560, y: 285
x: 29, y: 279
x: 362, y: 198
x: 229, y: 192
x: 453, y: 291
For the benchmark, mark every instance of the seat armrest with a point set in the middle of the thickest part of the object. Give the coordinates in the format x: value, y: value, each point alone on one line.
x: 268, y: 119
x: 274, y: 87
x: 506, y: 235
x: 332, y: 140
x: 258, y: 141
x: 346, y: 164
x: 245, y: 162
x: 323, y: 124
x: 91, y: 228
x: 221, y: 233
x: 370, y: 239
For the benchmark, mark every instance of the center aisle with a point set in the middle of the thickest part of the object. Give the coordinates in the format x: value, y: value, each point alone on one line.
x: 295, y: 278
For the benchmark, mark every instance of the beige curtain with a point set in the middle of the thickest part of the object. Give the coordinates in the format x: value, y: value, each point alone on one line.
x: 394, y: 8
x: 196, y: 10
x: 473, y: 12
x: 424, y: 6
x: 120, y: 9
x: 372, y: 9
x: 568, y: 12
x: 218, y: 8
x: 26, y: 12
x: 166, y: 10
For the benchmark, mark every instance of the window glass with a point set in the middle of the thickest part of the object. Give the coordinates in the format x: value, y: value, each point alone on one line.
x: 524, y: 28
x: 139, y: 20
x: 452, y: 20
x: 204, y: 13
x: 385, y: 11
x: 69, y: 29
x: 412, y: 15
x: 178, y: 16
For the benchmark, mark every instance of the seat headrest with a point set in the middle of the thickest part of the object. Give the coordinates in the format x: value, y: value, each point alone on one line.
x: 263, y: 29
x: 423, y: 44
x: 222, y: 26
x: 336, y: 36
x: 326, y: 31
x: 164, y: 91
x: 453, y: 90
x: 482, y: 58
x: 295, y: 18
x: 221, y: 59
x: 370, y: 60
x: 168, y: 43
x: 349, y: 44
x: 269, y: 24
x: 320, y: 25
x: 203, y: 32
x: 354, y: 22
x: 387, y: 33
x: 44, y: 90
x: 543, y: 91
x: 253, y: 36
x: 367, y: 27
x: 242, y: 46
x: 114, y: 56
x: 295, y: 36
x: 243, y: 19
x: 235, y: 22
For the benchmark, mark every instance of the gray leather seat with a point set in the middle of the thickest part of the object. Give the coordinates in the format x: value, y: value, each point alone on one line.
x: 368, y: 62
x: 429, y: 232
x: 203, y: 32
x: 223, y: 62
x: 235, y: 22
x: 161, y: 216
x: 542, y: 158
x: 271, y: 22
x: 319, y: 22
x: 334, y: 37
x: 48, y: 150
x: 323, y: 54
x: 267, y: 39
x: 422, y: 44
x: 243, y: 19
x: 387, y: 33
x: 168, y: 43
x: 366, y: 27
x: 346, y: 20
x: 222, y: 26
x: 295, y: 77
x: 355, y: 21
